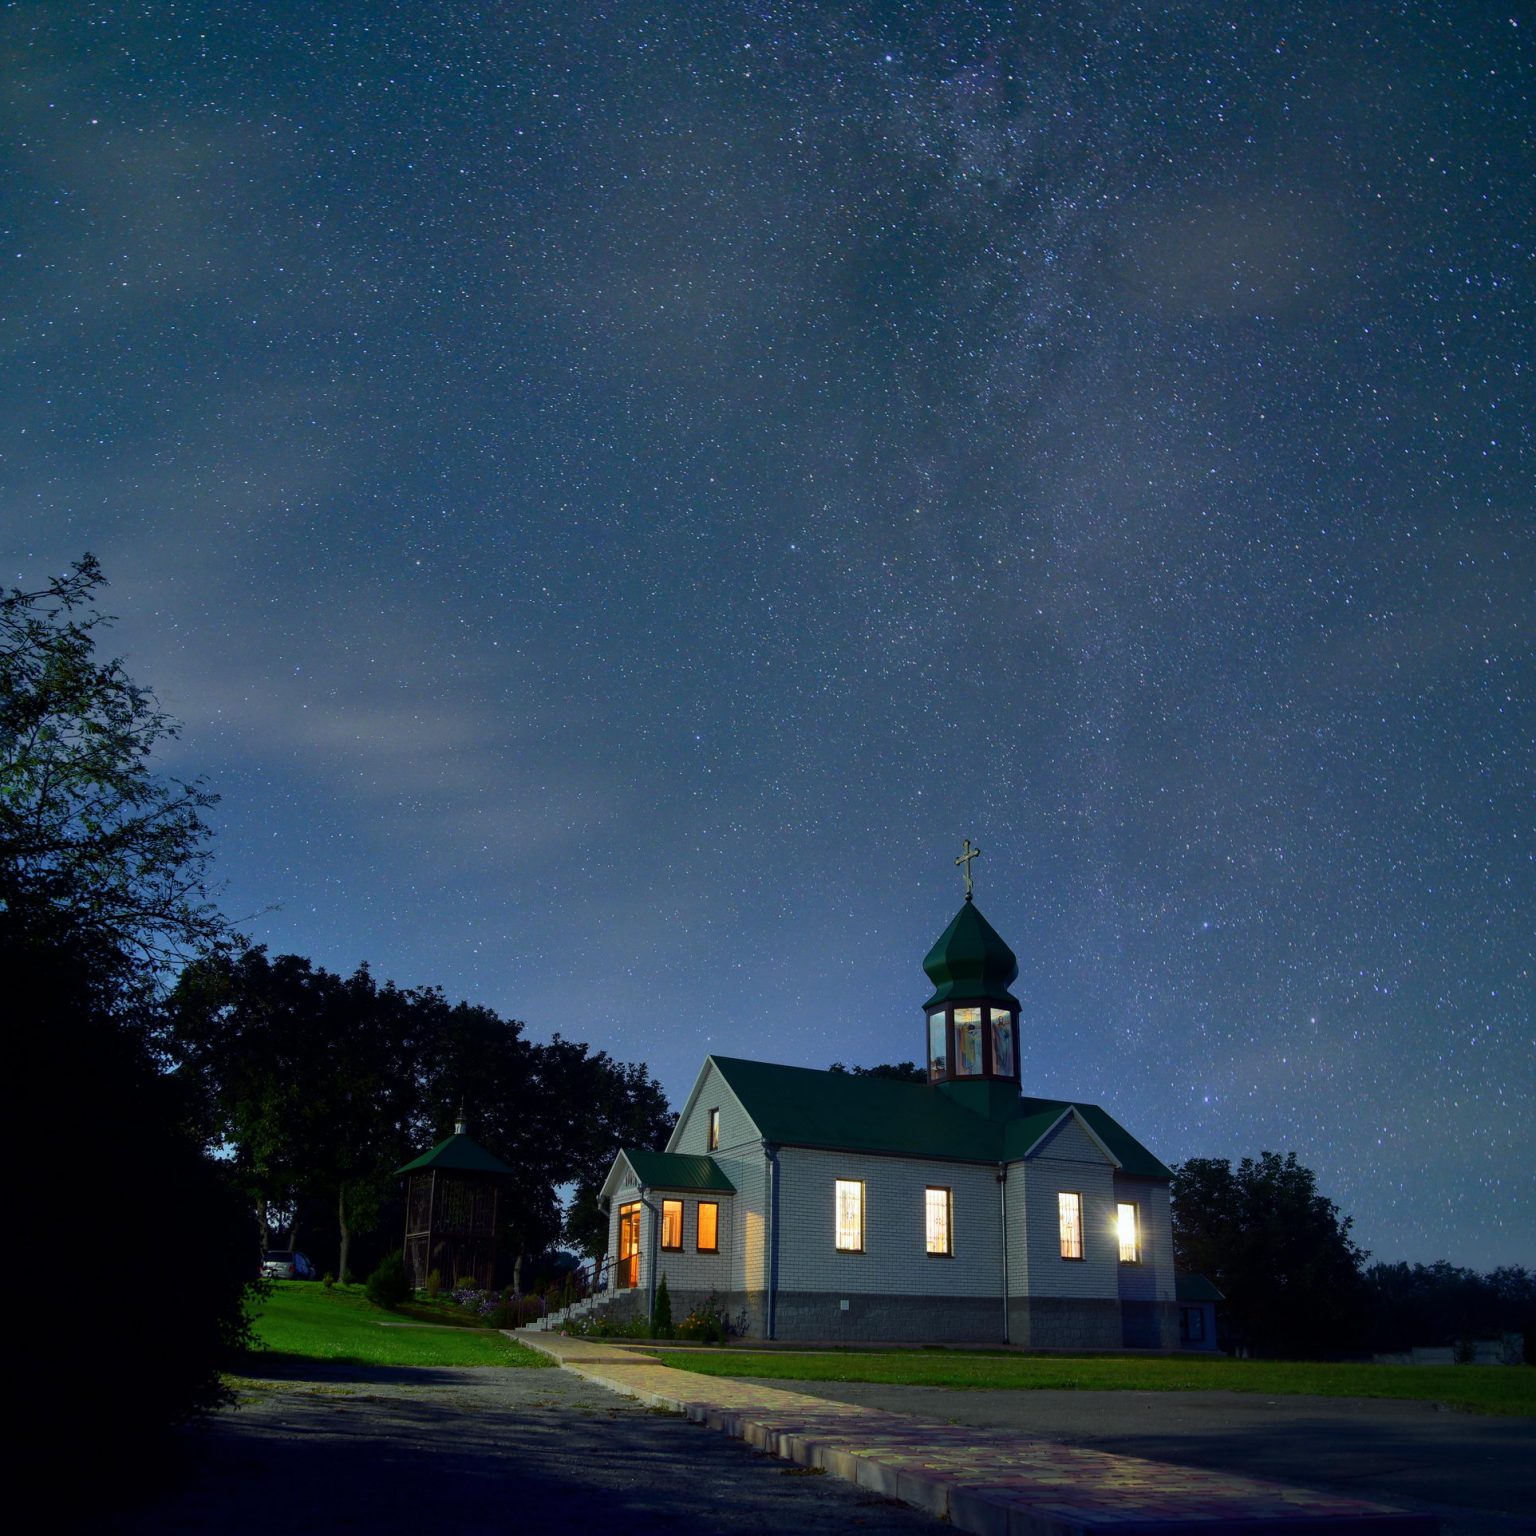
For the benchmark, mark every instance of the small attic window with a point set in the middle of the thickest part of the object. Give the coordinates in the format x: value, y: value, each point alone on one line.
x: 714, y: 1130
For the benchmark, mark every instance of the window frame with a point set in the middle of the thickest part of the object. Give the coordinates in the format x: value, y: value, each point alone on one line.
x: 948, y: 1250
x: 629, y: 1228
x: 712, y: 1135
x: 938, y: 1066
x: 957, y: 1072
x: 1135, y: 1210
x: 837, y: 1220
x: 1063, y: 1195
x: 698, y: 1227
x: 1009, y: 1021
x: 682, y: 1223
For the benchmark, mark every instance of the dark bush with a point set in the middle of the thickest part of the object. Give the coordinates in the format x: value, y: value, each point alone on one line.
x: 151, y: 1254
x: 387, y: 1285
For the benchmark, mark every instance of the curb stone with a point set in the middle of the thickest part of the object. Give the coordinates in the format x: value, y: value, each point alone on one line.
x: 988, y: 1482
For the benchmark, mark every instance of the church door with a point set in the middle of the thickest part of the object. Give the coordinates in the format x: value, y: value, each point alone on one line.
x: 628, y: 1274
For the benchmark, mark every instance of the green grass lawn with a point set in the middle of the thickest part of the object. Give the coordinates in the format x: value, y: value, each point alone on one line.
x: 1480, y: 1389
x: 304, y: 1319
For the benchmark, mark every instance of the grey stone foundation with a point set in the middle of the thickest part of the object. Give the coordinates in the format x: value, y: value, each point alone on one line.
x: 738, y: 1306
x: 818, y: 1316
x: 1065, y: 1322
x: 1042, y: 1322
x: 1149, y: 1325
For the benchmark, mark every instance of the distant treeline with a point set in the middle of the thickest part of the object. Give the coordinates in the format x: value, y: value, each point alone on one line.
x: 319, y: 1086
x: 1428, y: 1305
x: 1297, y: 1286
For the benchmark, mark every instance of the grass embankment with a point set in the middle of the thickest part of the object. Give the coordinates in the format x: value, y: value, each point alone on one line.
x: 1479, y: 1389
x: 305, y: 1320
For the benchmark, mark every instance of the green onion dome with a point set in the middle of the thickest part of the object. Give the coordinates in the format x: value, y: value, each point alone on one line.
x: 970, y: 962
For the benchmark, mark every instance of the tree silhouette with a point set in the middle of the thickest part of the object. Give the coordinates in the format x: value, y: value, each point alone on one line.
x: 89, y: 833
x: 1278, y: 1249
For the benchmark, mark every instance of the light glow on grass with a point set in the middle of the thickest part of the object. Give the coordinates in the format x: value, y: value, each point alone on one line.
x: 304, y: 1320
x: 1478, y: 1389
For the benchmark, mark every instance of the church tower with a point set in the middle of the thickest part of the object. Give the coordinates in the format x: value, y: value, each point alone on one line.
x: 972, y: 1019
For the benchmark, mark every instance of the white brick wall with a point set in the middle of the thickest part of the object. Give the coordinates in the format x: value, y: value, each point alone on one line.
x: 1071, y: 1160
x: 895, y: 1260
x: 687, y: 1269
x: 1018, y: 1231
x: 691, y: 1133
x: 1152, y: 1279
x: 741, y: 1159
x: 1071, y: 1142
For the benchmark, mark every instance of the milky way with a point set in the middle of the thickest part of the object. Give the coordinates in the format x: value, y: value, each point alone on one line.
x: 615, y: 494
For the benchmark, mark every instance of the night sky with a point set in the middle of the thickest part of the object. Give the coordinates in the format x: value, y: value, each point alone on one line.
x: 615, y: 493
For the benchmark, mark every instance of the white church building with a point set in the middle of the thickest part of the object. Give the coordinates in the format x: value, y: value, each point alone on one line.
x: 831, y: 1206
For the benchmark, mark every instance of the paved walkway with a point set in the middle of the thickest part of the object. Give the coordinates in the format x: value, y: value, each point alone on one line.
x: 990, y: 1482
x: 321, y: 1449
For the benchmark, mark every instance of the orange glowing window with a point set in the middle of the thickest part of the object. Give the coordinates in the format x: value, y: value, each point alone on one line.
x: 672, y: 1224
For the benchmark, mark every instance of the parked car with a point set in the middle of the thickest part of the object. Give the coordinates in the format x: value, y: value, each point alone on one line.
x: 286, y: 1266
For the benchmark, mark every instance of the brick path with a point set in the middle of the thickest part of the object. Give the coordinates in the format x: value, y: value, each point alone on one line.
x: 990, y: 1482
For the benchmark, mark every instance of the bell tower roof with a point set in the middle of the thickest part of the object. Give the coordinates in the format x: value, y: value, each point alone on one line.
x: 970, y: 962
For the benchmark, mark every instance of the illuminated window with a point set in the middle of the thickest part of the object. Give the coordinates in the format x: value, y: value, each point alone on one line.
x: 938, y: 1056
x: 627, y: 1274
x: 850, y: 1215
x: 1130, y: 1238
x: 1070, y: 1210
x: 967, y: 1042
x: 671, y: 1223
x: 709, y: 1227
x: 714, y: 1129
x: 938, y: 1213
x: 1002, y: 1042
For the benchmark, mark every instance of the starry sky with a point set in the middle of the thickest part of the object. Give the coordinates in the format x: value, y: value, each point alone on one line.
x: 614, y: 492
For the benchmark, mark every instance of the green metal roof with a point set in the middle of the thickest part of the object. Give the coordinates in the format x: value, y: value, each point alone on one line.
x: 970, y: 962
x: 1195, y: 1288
x: 799, y: 1106
x: 457, y: 1154
x: 678, y: 1170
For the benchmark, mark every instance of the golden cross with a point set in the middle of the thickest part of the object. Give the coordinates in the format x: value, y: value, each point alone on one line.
x: 964, y: 861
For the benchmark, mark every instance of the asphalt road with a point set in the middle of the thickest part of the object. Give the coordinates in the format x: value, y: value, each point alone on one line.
x: 373, y: 1451
x: 1477, y: 1473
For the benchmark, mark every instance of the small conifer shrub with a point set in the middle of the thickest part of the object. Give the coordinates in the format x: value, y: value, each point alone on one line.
x: 661, y: 1311
x: 387, y: 1285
